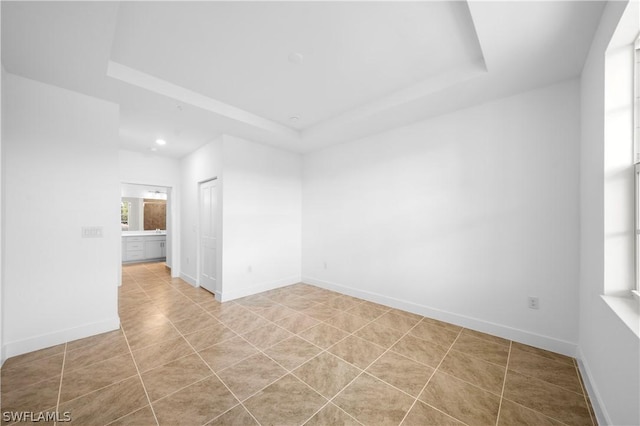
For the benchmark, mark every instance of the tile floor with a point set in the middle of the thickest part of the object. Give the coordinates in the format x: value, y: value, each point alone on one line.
x: 296, y: 355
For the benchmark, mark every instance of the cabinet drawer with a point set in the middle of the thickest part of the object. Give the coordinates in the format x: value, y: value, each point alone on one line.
x: 129, y: 239
x: 135, y: 255
x: 132, y: 245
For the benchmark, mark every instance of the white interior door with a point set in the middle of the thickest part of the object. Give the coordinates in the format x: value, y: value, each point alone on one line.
x: 208, y: 240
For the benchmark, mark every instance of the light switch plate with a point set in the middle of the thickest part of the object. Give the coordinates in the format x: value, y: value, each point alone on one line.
x: 92, y: 232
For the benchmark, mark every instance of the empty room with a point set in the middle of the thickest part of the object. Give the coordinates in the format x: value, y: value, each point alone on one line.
x: 320, y: 213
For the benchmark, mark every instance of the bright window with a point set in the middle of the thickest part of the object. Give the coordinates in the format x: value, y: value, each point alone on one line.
x: 125, y: 207
x: 636, y: 138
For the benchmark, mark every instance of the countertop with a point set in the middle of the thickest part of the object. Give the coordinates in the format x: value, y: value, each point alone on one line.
x: 143, y: 233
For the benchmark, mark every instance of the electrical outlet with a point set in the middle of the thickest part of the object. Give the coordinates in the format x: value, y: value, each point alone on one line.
x: 188, y: 260
x: 325, y: 265
x: 533, y: 303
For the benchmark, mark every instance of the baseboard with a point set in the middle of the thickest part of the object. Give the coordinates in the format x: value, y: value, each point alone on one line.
x: 506, y: 332
x: 227, y: 295
x: 51, y: 339
x: 150, y: 260
x: 189, y: 279
x: 596, y: 401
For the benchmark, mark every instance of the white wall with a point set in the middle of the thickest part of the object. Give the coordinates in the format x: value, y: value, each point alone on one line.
x: 460, y: 217
x: 259, y: 215
x: 199, y: 166
x: 60, y: 164
x: 261, y: 218
x: 609, y: 351
x: 150, y: 169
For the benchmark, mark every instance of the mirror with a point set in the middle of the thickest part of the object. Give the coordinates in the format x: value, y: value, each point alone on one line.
x: 143, y: 208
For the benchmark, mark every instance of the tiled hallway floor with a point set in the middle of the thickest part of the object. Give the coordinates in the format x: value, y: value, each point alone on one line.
x: 294, y: 355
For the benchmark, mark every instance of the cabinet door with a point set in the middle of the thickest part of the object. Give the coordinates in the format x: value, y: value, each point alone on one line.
x: 153, y: 249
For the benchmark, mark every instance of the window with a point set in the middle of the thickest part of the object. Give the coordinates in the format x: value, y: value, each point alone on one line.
x: 636, y: 292
x: 636, y: 144
x: 125, y: 207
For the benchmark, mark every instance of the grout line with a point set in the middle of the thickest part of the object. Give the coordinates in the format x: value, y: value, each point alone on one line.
x: 548, y: 383
x: 322, y: 351
x: 330, y: 400
x: 162, y: 281
x: 101, y: 388
x: 201, y: 379
x: 482, y: 359
x: 313, y: 299
x: 453, y: 376
x: 225, y: 412
x: 205, y: 363
x: 219, y: 379
x: 186, y: 386
x: 140, y: 375
x: 64, y: 357
x: 156, y: 342
x: 430, y: 377
x: 537, y: 412
x: 128, y: 414
x: 222, y: 340
x: 103, y: 339
x: 569, y: 362
x: 363, y: 371
x: 504, y: 382
x: 440, y: 411
x: 340, y: 408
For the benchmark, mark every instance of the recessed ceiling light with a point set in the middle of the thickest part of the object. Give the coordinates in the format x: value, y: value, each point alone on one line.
x: 296, y: 58
x: 161, y: 142
x: 153, y: 149
x: 294, y: 118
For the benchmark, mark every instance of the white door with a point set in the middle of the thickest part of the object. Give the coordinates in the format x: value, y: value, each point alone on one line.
x: 208, y: 243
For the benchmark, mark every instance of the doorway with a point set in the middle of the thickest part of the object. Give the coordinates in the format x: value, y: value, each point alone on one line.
x: 146, y: 218
x: 207, y: 236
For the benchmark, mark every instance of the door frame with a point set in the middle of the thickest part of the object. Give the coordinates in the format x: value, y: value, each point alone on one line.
x: 218, y: 235
x: 173, y: 253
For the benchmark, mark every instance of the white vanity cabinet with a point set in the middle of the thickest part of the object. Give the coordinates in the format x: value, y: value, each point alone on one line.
x: 154, y: 247
x: 143, y: 247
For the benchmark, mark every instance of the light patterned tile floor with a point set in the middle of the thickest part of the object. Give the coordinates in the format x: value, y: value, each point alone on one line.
x: 294, y: 355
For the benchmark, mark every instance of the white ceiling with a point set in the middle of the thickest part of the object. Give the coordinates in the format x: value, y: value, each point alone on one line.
x: 237, y: 52
x: 190, y: 71
x: 132, y: 190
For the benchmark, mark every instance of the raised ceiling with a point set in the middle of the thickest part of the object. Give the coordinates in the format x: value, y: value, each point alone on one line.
x: 190, y: 71
x: 238, y: 52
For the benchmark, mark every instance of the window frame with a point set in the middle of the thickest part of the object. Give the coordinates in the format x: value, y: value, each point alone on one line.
x: 122, y: 205
x: 636, y: 291
x: 636, y: 157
